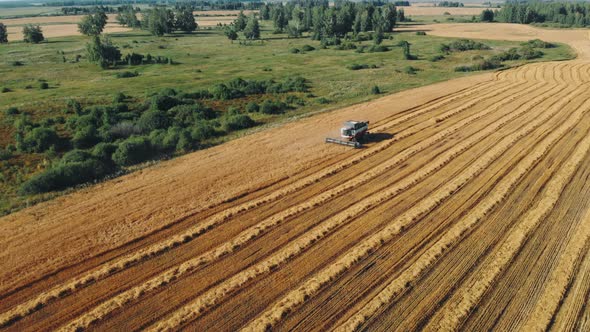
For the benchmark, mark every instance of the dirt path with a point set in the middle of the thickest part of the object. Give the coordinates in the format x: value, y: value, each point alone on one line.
x: 434, y: 225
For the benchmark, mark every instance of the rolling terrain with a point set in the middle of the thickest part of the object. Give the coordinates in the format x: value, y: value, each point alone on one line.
x: 466, y: 210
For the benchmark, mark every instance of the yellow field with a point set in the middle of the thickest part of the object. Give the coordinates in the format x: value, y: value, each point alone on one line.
x: 467, y: 210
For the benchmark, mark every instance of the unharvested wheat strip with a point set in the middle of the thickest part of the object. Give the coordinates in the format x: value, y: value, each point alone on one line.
x: 454, y: 313
x: 256, y: 230
x: 312, y: 285
x: 218, y: 293
x: 111, y: 267
x: 459, y: 230
x: 561, y: 277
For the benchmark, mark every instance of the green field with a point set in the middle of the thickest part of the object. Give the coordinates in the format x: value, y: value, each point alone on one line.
x: 201, y: 60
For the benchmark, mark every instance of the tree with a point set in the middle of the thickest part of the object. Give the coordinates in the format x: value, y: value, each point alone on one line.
x: 102, y: 52
x: 127, y: 17
x: 265, y: 12
x: 158, y: 21
x: 279, y: 19
x: 230, y: 33
x: 93, y: 24
x: 33, y: 34
x: 184, y: 19
x: 486, y: 16
x: 241, y: 21
x: 252, y: 30
x: 3, y: 34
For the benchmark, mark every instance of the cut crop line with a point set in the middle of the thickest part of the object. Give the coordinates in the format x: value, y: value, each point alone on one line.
x: 452, y: 316
x: 312, y: 286
x: 561, y: 278
x: 456, y: 233
x: 216, y: 294
x: 112, y: 267
x: 260, y: 228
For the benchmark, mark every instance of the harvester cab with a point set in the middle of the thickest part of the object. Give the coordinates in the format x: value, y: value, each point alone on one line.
x: 351, y: 134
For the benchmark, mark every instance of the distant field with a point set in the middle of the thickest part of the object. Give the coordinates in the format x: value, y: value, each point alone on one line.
x: 22, y: 11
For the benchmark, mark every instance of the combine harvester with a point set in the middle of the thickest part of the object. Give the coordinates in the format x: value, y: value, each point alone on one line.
x: 351, y: 134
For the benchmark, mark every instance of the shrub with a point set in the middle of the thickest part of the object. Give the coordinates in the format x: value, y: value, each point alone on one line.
x: 537, y: 43
x: 104, y: 151
x: 16, y: 64
x: 359, y: 66
x: 44, y: 86
x: 185, y: 141
x: 124, y: 129
x: 85, y: 137
x: 345, y: 46
x: 375, y: 90
x: 511, y: 54
x: 410, y: 70
x: 323, y: 100
x: 11, y: 111
x: 307, y: 48
x: 463, y: 45
x: 187, y: 115
x: 529, y: 53
x: 152, y: 119
x: 202, y: 131
x: 119, y: 98
x: 377, y: 48
x: 291, y: 99
x: 5, y: 90
x: 126, y: 74
x: 272, y: 107
x: 482, y: 65
x: 420, y: 33
x: 132, y: 151
x: 164, y: 102
x: 237, y: 122
x: 40, y: 139
x: 294, y: 50
x: 436, y: 58
x: 5, y: 154
x: 252, y: 107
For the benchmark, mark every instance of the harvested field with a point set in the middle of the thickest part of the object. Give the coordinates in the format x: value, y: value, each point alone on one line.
x: 435, y: 11
x: 467, y: 210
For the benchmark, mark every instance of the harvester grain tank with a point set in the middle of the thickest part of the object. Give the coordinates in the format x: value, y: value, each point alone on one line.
x: 351, y: 134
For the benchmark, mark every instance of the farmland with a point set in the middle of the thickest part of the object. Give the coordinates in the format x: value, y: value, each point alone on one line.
x: 465, y: 210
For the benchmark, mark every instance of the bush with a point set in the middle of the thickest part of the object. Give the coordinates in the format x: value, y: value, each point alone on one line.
x: 202, y: 131
x: 294, y: 50
x: 185, y: 141
x: 187, y: 115
x: 237, y: 122
x: 323, y: 100
x: 345, y: 46
x: 463, y: 45
x: 104, y: 151
x: 420, y: 33
x: 377, y: 48
x: 482, y: 65
x: 11, y: 111
x: 40, y: 139
x: 5, y: 90
x: 164, y: 102
x: 529, y: 53
x: 537, y: 43
x: 44, y: 86
x: 359, y: 66
x: 436, y: 58
x: 126, y: 74
x: 375, y: 90
x: 132, y: 151
x: 410, y: 70
x: 273, y: 107
x: 252, y: 107
x: 85, y: 137
x: 511, y: 54
x: 152, y: 119
x: 119, y: 98
x: 307, y: 48
x: 124, y: 129
x: 16, y: 64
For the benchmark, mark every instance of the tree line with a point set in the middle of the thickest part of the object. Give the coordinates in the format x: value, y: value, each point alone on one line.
x: 564, y: 13
x: 321, y: 20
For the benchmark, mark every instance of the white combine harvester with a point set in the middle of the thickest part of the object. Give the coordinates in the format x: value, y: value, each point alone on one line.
x: 351, y: 133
